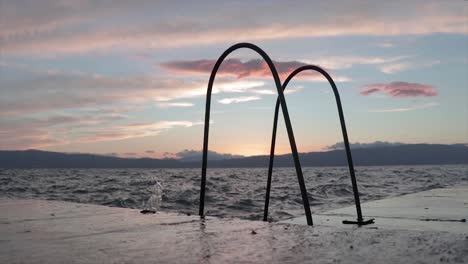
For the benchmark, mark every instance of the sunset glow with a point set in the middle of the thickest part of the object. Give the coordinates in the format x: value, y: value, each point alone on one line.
x: 76, y: 76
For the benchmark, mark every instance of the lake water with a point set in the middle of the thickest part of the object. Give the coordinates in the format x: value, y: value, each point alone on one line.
x: 236, y: 192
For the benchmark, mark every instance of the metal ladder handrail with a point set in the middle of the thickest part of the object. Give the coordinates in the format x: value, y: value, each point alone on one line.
x: 284, y: 108
x: 360, y: 220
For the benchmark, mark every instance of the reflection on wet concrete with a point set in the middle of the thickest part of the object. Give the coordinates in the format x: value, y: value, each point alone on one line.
x: 34, y: 231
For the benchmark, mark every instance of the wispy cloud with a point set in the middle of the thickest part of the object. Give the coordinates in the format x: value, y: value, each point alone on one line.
x: 294, y: 89
x: 134, y: 130
x: 175, y: 104
x: 28, y: 140
x: 345, y: 62
x: 400, y: 89
x: 406, y: 109
x: 395, y: 67
x: 34, y: 132
x: 235, y: 100
x: 402, y: 66
x: 263, y: 92
x: 238, y: 86
x: 255, y: 68
x: 39, y: 91
x: 60, y: 130
x: 386, y: 45
x: 64, y: 27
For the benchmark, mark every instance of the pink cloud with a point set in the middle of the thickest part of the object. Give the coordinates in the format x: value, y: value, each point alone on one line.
x: 52, y: 27
x: 400, y: 89
x: 132, y: 130
x: 255, y: 68
x: 29, y: 140
x: 30, y: 132
x: 80, y: 90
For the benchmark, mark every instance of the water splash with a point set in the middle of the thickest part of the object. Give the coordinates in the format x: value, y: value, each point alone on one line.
x: 154, y: 201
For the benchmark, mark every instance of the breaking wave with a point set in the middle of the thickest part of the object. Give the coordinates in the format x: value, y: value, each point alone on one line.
x: 236, y: 192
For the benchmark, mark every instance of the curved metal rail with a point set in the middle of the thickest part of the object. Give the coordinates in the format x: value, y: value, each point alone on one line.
x: 281, y: 101
x: 360, y: 220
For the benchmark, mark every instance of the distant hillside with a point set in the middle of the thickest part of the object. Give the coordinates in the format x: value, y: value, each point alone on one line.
x: 45, y: 159
x: 411, y: 154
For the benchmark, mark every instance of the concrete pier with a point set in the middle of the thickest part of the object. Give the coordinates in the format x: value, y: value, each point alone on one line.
x: 36, y: 231
x: 444, y: 210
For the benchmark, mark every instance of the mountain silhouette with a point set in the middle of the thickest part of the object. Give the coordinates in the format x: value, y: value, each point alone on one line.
x: 409, y: 154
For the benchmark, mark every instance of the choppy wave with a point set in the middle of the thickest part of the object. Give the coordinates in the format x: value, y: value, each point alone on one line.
x: 237, y: 192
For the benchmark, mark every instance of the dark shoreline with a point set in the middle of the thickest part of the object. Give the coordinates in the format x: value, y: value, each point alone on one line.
x: 403, y: 155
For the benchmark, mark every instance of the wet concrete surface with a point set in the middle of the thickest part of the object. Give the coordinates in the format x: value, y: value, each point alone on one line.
x: 444, y: 210
x: 36, y: 231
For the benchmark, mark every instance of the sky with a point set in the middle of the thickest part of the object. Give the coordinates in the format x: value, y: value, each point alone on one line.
x: 129, y: 78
